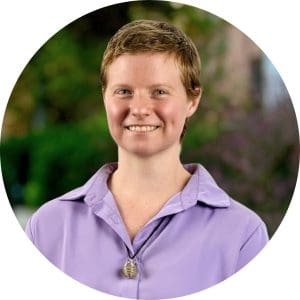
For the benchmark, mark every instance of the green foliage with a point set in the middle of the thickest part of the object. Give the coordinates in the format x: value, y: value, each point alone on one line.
x: 62, y: 80
x: 58, y: 159
x: 55, y: 134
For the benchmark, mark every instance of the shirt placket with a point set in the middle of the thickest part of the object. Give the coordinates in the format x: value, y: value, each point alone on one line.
x: 130, y: 287
x: 106, y: 209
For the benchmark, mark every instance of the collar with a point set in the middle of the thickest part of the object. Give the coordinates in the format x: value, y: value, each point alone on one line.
x: 200, y: 188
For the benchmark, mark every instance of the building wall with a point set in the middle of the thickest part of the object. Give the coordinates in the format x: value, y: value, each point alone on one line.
x: 242, y: 67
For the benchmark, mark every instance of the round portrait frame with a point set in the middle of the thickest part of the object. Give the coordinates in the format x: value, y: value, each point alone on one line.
x: 25, y: 272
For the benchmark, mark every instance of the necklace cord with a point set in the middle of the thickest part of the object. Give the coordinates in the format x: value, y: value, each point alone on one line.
x: 147, y: 239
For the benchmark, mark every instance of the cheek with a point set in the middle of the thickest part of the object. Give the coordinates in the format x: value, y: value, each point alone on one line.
x: 115, y: 114
x: 175, y: 114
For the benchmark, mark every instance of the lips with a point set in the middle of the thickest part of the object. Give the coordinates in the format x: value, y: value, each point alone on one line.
x: 141, y: 128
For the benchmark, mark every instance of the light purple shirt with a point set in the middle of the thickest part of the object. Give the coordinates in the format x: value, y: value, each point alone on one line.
x: 205, y: 237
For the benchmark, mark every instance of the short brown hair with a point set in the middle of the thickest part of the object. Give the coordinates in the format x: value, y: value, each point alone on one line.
x: 155, y: 36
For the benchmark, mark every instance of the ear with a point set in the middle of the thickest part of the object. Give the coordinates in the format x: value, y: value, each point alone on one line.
x: 194, y: 103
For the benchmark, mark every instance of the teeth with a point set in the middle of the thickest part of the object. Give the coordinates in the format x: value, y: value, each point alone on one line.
x: 142, y: 128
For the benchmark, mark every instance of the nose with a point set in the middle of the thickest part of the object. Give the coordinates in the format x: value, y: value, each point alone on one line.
x: 140, y: 106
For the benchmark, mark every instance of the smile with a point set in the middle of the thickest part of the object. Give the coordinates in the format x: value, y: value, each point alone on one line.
x: 144, y: 128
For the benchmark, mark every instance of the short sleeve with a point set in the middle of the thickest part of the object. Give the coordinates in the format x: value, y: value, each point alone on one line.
x: 253, y: 245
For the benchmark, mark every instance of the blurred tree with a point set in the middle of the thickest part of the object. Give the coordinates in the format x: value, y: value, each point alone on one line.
x: 55, y: 136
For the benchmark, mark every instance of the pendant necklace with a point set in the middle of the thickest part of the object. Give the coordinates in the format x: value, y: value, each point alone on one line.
x: 130, y: 268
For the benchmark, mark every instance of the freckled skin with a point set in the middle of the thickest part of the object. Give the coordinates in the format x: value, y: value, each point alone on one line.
x: 146, y: 89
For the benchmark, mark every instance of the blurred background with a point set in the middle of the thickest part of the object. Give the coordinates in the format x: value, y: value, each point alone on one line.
x: 54, y: 133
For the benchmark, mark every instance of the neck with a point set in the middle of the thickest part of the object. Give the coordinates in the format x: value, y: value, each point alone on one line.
x: 162, y: 175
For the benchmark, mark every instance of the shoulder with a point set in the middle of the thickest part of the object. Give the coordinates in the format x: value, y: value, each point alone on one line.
x: 76, y: 202
x: 52, y: 216
x: 234, y: 223
x: 225, y: 221
x: 57, y: 209
x: 71, y: 209
x: 221, y: 208
x: 237, y: 230
x: 233, y: 220
x: 242, y: 214
x: 252, y: 231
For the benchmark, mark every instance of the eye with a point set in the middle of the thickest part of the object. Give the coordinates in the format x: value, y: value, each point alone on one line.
x: 123, y: 92
x: 160, y: 92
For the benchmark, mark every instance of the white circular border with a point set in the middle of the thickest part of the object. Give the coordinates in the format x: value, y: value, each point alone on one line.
x: 25, y: 26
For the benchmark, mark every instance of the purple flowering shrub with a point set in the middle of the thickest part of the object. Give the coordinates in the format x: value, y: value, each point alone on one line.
x: 255, y: 159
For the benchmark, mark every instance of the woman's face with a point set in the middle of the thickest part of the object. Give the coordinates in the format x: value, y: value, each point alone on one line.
x: 146, y: 103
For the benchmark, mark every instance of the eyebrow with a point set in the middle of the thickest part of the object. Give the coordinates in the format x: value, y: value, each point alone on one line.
x: 158, y: 85
x: 118, y: 85
x: 152, y: 86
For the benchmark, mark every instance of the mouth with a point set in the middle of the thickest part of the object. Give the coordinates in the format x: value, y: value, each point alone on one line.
x: 141, y: 128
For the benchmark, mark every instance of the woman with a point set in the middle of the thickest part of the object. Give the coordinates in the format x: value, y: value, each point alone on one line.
x: 147, y: 226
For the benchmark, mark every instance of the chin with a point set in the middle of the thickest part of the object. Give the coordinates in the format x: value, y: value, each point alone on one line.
x: 148, y: 151
x: 142, y: 153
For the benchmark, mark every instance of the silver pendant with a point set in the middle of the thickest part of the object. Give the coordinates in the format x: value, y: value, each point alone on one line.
x: 130, y: 269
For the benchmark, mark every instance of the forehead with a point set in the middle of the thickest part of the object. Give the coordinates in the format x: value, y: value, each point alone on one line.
x: 144, y: 67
